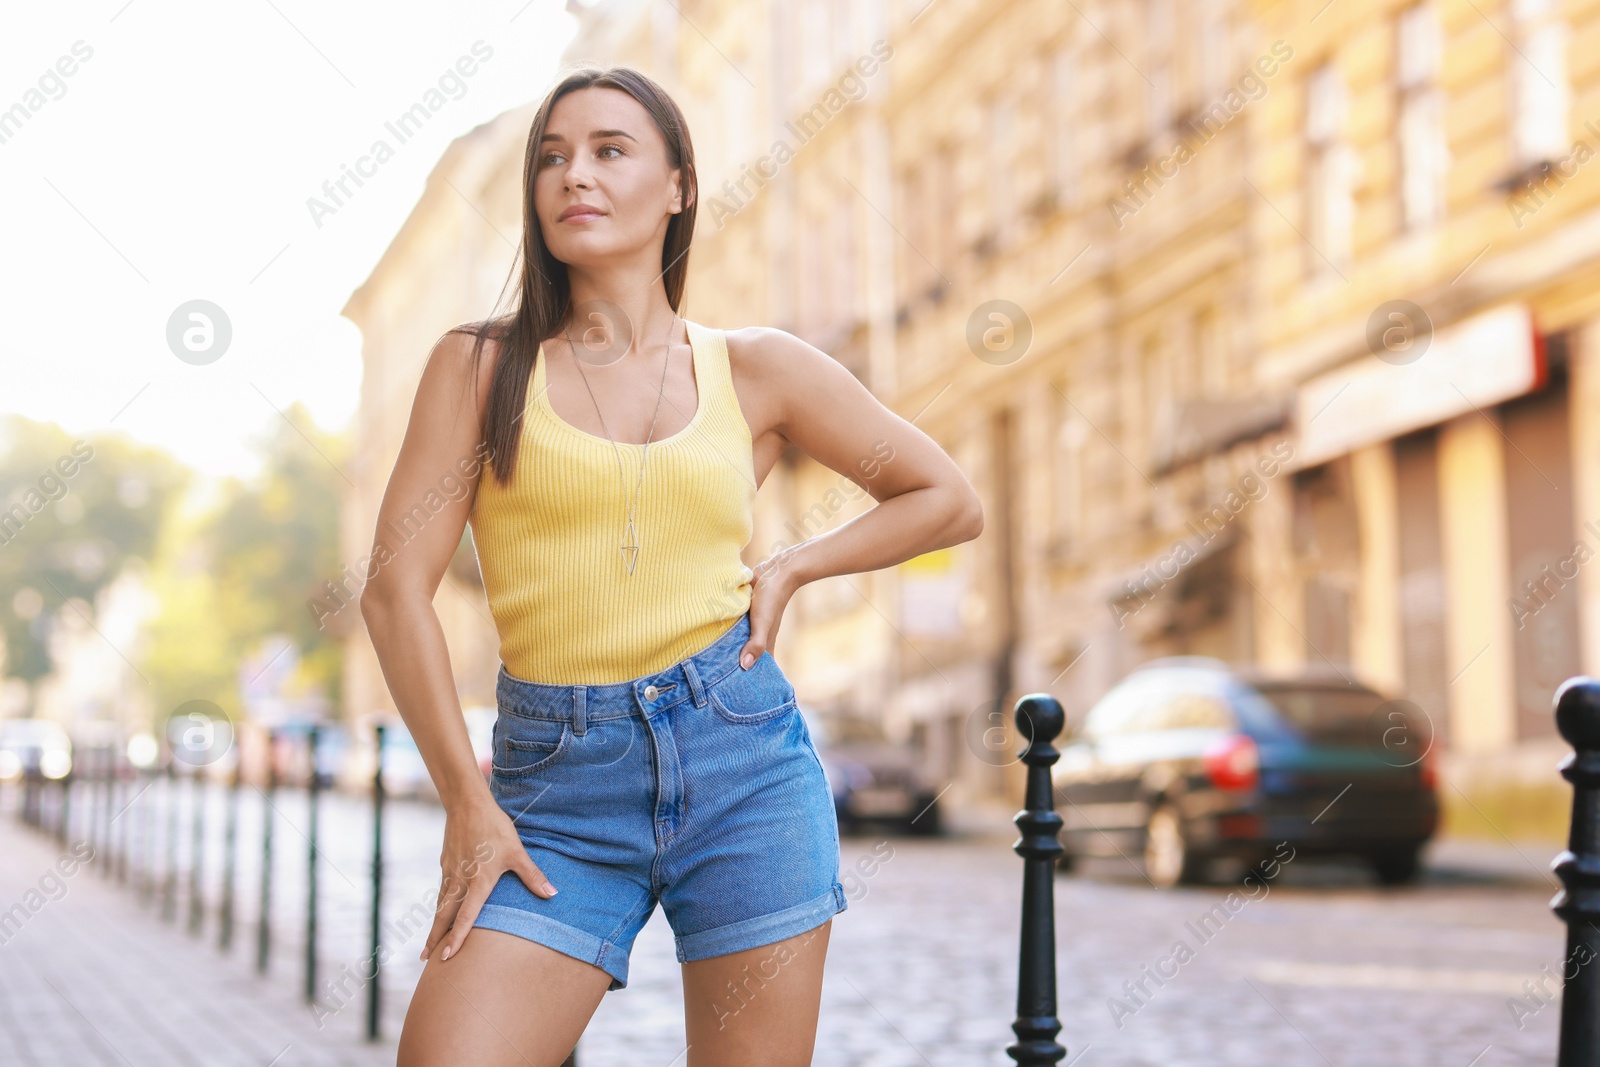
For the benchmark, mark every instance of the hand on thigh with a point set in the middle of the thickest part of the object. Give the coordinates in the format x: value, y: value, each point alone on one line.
x: 501, y: 1001
x: 756, y: 1006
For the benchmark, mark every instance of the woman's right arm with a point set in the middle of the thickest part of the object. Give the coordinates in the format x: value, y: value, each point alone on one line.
x: 441, y: 459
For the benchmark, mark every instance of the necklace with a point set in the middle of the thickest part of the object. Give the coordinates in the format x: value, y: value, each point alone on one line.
x: 630, y: 536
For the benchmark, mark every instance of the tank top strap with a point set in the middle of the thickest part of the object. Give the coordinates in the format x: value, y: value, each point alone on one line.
x: 711, y: 362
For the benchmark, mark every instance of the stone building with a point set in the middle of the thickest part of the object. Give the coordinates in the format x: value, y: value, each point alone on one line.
x: 1262, y: 327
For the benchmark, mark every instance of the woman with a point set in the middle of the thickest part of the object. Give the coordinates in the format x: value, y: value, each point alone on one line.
x: 648, y: 748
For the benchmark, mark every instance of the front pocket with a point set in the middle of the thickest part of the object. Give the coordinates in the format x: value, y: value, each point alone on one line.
x: 527, y: 746
x: 744, y: 697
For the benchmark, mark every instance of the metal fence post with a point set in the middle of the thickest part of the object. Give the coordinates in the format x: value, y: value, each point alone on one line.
x: 230, y: 850
x: 169, y: 890
x: 108, y: 810
x: 373, y: 991
x: 147, y: 838
x: 313, y: 788
x: 264, y: 926
x: 64, y: 815
x: 1577, y: 708
x: 1040, y: 718
x: 197, y: 818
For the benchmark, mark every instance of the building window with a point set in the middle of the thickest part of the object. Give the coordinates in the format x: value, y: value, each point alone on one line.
x: 1538, y: 74
x: 1159, y: 33
x: 1157, y: 385
x: 1330, y: 208
x: 1000, y: 180
x: 1071, y: 433
x: 1214, y: 62
x: 1210, y: 355
x: 1421, y: 126
x: 1062, y: 71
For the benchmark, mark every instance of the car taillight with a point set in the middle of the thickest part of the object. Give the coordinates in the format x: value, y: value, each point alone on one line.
x: 1233, y: 763
x: 1428, y: 771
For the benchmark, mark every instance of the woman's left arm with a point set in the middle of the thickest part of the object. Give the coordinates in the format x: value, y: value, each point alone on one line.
x: 924, y: 501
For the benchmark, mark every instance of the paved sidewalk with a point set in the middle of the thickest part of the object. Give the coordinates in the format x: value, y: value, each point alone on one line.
x: 1330, y: 969
x: 88, y: 976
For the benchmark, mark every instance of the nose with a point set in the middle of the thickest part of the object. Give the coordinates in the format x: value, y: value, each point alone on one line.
x: 577, y: 175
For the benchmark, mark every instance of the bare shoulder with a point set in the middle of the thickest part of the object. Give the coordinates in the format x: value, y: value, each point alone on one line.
x: 773, y: 370
x: 759, y: 351
x: 457, y: 359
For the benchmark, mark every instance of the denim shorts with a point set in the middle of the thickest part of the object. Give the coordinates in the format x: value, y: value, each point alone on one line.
x: 697, y: 786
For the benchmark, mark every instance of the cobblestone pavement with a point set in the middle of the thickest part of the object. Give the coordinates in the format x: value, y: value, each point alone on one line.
x: 1317, y: 967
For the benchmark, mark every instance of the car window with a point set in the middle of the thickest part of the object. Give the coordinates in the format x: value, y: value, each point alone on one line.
x: 1193, y: 711
x: 1111, y: 715
x: 1163, y: 699
x: 1336, y: 714
x: 1185, y: 700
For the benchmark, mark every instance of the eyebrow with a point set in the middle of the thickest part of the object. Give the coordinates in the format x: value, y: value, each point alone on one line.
x: 593, y: 135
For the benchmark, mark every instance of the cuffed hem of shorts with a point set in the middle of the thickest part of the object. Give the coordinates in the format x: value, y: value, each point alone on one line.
x: 763, y: 929
x: 567, y: 940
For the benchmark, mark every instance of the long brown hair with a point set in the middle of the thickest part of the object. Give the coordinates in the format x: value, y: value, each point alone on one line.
x: 544, y: 290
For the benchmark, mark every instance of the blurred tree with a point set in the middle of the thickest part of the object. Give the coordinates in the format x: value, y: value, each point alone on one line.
x: 72, y: 512
x: 273, y: 541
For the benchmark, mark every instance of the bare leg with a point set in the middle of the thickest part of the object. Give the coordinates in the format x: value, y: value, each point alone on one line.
x: 502, y: 1001
x: 756, y: 1006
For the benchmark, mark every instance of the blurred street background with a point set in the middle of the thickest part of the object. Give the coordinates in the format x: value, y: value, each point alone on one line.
x: 1269, y: 333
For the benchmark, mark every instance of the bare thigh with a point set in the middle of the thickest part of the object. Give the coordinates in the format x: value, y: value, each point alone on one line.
x: 502, y: 1001
x: 756, y: 1006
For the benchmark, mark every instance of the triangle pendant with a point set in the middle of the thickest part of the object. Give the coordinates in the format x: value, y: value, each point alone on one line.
x: 630, y: 547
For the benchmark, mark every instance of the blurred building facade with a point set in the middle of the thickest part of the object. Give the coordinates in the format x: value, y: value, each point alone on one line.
x: 1264, y: 330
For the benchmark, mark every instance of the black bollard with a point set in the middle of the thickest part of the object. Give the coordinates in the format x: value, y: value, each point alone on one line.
x: 64, y: 815
x: 1040, y: 718
x: 32, y: 797
x: 108, y: 810
x: 230, y: 851
x: 197, y: 816
x: 264, y: 926
x: 147, y: 838
x: 373, y: 993
x: 313, y: 789
x: 1577, y: 705
x: 169, y: 888
x: 124, y: 831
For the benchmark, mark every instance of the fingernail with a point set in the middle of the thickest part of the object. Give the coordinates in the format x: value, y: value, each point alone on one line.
x: 446, y: 954
x: 550, y: 889
x: 745, y: 661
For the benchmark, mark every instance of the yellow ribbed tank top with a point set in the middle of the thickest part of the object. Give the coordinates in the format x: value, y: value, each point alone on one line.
x: 549, y: 544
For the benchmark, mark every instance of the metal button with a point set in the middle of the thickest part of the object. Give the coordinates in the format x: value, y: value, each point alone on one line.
x: 651, y: 692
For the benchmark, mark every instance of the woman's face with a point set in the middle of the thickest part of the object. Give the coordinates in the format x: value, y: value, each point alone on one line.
x: 601, y: 148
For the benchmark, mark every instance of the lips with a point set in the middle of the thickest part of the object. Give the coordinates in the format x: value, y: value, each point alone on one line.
x: 580, y: 213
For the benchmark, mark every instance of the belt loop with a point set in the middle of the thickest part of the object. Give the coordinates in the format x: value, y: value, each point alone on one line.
x: 696, y: 690
x: 580, y: 718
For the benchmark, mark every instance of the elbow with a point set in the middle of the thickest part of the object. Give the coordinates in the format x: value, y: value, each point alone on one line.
x: 372, y: 602
x: 969, y: 521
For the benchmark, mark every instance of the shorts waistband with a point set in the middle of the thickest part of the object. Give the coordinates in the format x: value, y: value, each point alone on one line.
x: 688, y: 679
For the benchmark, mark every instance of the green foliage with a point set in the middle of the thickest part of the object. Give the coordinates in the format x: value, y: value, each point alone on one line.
x: 72, y: 513
x: 75, y: 512
x: 246, y: 569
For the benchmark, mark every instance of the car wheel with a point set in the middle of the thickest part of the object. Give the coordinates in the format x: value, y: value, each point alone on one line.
x: 924, y: 822
x: 1168, y: 859
x: 1397, y: 866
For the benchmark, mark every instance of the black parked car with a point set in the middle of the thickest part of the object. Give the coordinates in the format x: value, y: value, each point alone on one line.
x: 1187, y: 759
x: 873, y: 779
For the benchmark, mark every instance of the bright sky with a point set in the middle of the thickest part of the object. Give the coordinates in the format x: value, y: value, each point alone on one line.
x: 174, y: 164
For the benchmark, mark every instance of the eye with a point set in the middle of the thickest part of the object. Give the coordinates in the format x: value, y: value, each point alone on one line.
x: 544, y: 161
x: 606, y: 148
